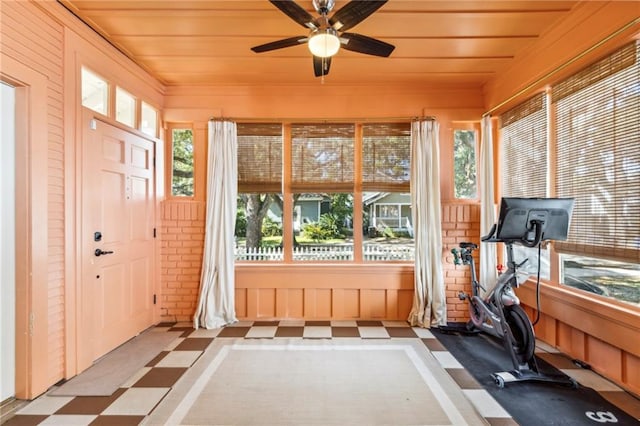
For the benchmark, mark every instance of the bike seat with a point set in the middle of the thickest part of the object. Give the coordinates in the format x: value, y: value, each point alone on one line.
x: 468, y: 245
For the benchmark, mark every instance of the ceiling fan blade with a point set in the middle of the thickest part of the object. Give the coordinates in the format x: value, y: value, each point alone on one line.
x: 321, y: 66
x: 280, y: 44
x: 367, y: 45
x: 295, y: 12
x: 353, y: 13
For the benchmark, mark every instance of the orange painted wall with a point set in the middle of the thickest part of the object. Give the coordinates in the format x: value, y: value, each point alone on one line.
x: 61, y: 43
x: 271, y: 291
x: 302, y: 291
x: 43, y: 55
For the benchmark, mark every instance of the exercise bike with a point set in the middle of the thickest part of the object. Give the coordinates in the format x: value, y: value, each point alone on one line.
x: 498, y: 313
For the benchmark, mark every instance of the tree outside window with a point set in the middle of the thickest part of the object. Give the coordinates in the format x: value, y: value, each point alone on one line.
x: 182, y: 178
x: 464, y: 152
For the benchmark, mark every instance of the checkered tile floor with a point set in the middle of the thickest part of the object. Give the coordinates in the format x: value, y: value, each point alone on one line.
x: 138, y: 397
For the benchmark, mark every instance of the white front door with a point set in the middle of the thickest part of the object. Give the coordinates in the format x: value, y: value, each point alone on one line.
x: 117, y: 236
x: 7, y: 244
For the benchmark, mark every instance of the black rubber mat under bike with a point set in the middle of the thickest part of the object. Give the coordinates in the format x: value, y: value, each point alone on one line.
x: 529, y: 403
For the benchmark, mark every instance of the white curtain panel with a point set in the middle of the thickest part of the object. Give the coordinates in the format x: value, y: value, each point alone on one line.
x: 429, y: 302
x: 488, y: 263
x: 216, y: 304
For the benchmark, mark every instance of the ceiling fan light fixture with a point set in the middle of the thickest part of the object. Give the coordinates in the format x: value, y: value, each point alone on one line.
x: 324, y: 43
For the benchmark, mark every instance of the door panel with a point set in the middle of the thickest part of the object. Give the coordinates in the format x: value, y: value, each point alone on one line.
x: 118, y: 202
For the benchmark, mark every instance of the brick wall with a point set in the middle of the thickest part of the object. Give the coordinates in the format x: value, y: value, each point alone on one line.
x: 182, y: 242
x: 182, y: 239
x: 460, y: 222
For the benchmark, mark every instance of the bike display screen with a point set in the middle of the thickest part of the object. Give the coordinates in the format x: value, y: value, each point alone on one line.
x: 518, y: 217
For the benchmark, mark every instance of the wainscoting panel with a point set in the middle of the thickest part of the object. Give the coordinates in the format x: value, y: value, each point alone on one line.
x: 343, y: 292
x: 600, y: 333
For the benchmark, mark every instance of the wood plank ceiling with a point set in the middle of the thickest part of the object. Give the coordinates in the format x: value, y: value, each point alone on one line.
x: 207, y: 42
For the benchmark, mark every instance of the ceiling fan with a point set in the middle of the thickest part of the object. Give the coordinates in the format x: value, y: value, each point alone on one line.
x: 327, y: 34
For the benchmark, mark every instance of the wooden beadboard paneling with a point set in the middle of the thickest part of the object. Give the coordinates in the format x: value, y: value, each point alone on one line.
x: 350, y: 303
x: 35, y: 40
x: 321, y: 307
x: 609, y: 322
x: 321, y: 303
x: 266, y: 302
x: 322, y: 292
x: 376, y: 302
x: 604, y: 358
x: 631, y: 372
x: 241, y: 302
x: 598, y: 332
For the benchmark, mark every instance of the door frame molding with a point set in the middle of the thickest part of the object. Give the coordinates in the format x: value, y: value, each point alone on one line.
x: 81, y: 51
x: 31, y: 134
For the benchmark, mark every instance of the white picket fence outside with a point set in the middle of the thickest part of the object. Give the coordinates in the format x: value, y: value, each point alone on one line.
x: 260, y: 253
x: 377, y: 252
x: 371, y: 252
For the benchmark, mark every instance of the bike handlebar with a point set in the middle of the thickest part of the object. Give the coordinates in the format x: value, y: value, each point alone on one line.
x: 537, y: 225
x: 465, y: 254
x: 489, y: 237
x: 538, y: 235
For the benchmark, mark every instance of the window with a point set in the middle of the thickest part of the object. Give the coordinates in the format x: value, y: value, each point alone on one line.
x: 464, y: 164
x: 97, y: 97
x: 323, y: 227
x: 323, y: 159
x: 259, y: 227
x: 319, y: 188
x: 149, y: 120
x: 95, y: 92
x: 524, y: 149
x: 524, y: 166
x: 182, y: 177
x: 386, y: 198
x: 260, y: 201
x: 618, y: 280
x: 322, y: 156
x: 598, y: 134
x: 125, y: 107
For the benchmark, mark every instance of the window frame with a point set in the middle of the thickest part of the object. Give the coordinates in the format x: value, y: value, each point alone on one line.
x: 289, y: 188
x: 111, y: 105
x: 110, y: 99
x: 169, y: 162
x: 119, y: 90
x: 472, y: 127
x: 141, y: 115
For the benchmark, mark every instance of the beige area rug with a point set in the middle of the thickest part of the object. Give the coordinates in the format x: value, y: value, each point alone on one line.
x: 105, y: 376
x: 316, y: 382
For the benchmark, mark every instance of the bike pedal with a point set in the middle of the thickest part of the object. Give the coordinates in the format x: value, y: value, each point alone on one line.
x: 462, y: 296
